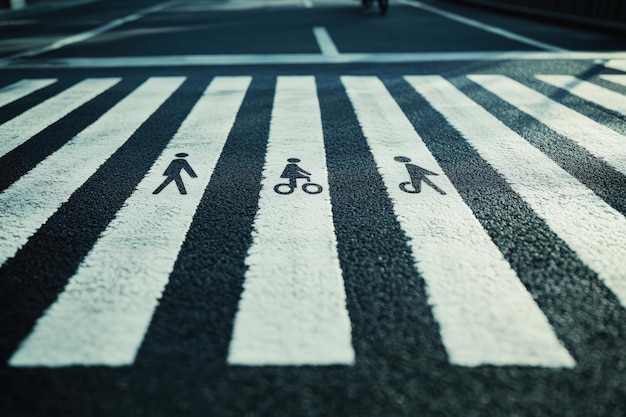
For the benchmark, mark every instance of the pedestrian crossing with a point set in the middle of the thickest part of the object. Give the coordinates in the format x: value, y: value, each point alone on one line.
x: 293, y: 309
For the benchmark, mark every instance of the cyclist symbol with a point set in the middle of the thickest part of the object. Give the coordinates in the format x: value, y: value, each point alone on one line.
x: 293, y: 172
x: 417, y: 174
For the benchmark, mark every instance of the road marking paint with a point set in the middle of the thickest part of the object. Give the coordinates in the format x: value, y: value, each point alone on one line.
x: 325, y: 42
x: 588, y: 91
x: 93, y: 32
x: 297, y: 59
x: 483, y: 26
x: 293, y: 307
x: 21, y: 128
x: 29, y: 202
x: 596, y: 138
x: 17, y: 4
x: 22, y: 88
x: 486, y: 315
x: 308, y: 4
x: 615, y: 78
x: 618, y: 64
x: 105, y: 310
x: 589, y: 226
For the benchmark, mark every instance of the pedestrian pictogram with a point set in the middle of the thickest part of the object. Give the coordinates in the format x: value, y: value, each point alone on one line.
x: 293, y: 172
x: 417, y: 174
x: 174, y: 172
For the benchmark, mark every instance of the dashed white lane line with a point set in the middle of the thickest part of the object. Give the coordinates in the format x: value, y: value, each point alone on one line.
x: 23, y: 127
x: 293, y: 307
x: 483, y: 26
x: 28, y: 203
x: 325, y: 42
x: 486, y: 316
x: 591, y: 228
x: 104, y: 312
x: 22, y: 88
x: 596, y: 138
x: 93, y: 32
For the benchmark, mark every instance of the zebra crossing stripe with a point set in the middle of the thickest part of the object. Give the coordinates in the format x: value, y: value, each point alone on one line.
x: 588, y: 91
x: 596, y: 138
x: 29, y: 202
x: 293, y: 307
x: 105, y: 310
x: 486, y: 315
x: 22, y: 88
x: 615, y: 78
x: 21, y: 128
x: 591, y: 228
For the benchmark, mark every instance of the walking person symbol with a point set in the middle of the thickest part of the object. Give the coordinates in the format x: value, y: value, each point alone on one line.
x: 173, y: 173
x: 417, y: 174
x: 293, y: 172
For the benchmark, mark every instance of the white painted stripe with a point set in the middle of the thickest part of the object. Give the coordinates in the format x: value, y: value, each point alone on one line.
x: 615, y: 78
x: 483, y: 26
x: 618, y: 64
x: 308, y: 4
x: 486, y: 315
x: 592, y: 228
x: 29, y: 202
x: 105, y: 310
x: 93, y: 32
x: 298, y: 59
x: 588, y: 91
x: 325, y: 42
x: 17, y: 4
x: 21, y: 128
x: 596, y: 138
x: 22, y: 88
x: 293, y: 307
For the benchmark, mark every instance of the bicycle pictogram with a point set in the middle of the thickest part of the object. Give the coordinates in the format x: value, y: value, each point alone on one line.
x: 293, y: 172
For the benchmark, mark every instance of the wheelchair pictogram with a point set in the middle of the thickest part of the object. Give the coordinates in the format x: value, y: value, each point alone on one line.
x: 293, y: 172
x: 418, y: 175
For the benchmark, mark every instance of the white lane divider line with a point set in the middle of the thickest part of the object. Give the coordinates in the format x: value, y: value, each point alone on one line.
x: 596, y: 138
x: 483, y: 26
x: 28, y: 203
x: 23, y: 127
x: 325, y: 42
x: 486, y: 315
x: 104, y: 312
x: 588, y: 91
x: 22, y: 88
x: 293, y: 307
x: 589, y: 226
x: 308, y: 4
x: 93, y: 32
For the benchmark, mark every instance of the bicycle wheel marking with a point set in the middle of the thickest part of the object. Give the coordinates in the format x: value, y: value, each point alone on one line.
x: 485, y: 314
x: 293, y: 307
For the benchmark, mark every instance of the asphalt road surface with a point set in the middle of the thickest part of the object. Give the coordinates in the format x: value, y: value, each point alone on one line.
x: 301, y: 208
